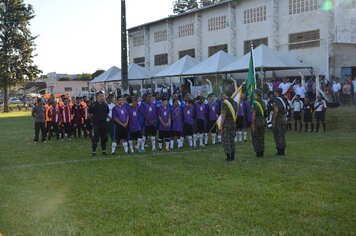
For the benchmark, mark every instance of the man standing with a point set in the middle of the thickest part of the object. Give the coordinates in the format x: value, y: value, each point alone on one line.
x: 99, y: 111
x: 320, y: 108
x: 279, y: 121
x: 228, y: 119
x: 336, y: 92
x: 297, y: 111
x: 258, y: 124
x: 38, y: 112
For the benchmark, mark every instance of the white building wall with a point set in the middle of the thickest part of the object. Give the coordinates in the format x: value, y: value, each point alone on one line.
x: 186, y: 42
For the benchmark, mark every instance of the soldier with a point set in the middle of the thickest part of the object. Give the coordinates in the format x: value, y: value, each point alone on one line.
x: 279, y: 121
x: 228, y: 119
x: 258, y: 124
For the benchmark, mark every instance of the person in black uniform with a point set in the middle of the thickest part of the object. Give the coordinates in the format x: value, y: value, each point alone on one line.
x: 99, y: 111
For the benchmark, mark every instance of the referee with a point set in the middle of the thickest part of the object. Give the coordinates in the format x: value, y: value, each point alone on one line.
x: 99, y: 111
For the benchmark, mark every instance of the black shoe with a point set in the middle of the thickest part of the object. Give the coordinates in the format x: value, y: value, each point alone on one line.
x: 279, y: 152
x: 232, y: 156
x: 93, y: 154
x: 103, y: 153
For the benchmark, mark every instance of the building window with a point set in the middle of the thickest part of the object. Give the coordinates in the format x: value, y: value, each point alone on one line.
x: 139, y: 61
x: 85, y: 89
x: 186, y: 30
x: 307, y: 39
x: 255, y: 42
x: 68, y: 89
x: 138, y: 40
x: 215, y: 49
x: 217, y: 23
x: 301, y: 6
x: 161, y: 59
x: 189, y: 52
x: 254, y: 15
x: 160, y: 36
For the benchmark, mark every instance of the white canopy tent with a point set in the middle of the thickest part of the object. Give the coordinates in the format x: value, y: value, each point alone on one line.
x: 211, y: 65
x: 135, y: 72
x: 178, y: 68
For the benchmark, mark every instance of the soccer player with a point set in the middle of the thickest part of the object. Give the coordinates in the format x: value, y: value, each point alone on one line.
x: 212, y: 117
x: 134, y: 126
x: 200, y: 111
x: 177, y: 124
x: 308, y: 114
x: 54, y: 116
x: 164, y: 118
x: 188, y: 121
x: 297, y: 106
x: 66, y: 118
x: 120, y: 118
x: 150, y: 114
x: 320, y: 108
x: 77, y: 112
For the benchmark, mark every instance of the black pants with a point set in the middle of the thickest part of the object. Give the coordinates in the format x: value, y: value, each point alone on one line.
x: 53, y: 129
x: 67, y: 129
x: 40, y: 126
x: 99, y: 131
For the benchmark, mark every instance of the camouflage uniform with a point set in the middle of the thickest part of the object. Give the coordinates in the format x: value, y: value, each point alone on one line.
x: 279, y: 131
x: 228, y: 134
x: 258, y: 135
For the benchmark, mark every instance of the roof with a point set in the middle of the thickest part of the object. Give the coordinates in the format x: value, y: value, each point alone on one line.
x: 135, y: 72
x: 178, y: 68
x: 181, y: 14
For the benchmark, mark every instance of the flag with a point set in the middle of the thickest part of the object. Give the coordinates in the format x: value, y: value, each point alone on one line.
x: 251, y: 78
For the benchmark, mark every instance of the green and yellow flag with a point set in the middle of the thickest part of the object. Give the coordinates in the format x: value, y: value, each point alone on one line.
x: 251, y: 79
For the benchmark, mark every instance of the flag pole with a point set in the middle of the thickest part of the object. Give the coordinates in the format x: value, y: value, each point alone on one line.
x: 254, y: 67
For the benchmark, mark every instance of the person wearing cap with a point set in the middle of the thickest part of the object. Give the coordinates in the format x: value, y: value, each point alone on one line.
x: 228, y: 119
x: 99, y: 112
x: 39, y: 112
x: 279, y: 121
x: 258, y: 124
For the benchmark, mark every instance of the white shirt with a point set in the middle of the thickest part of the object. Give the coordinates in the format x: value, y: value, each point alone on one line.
x: 111, y: 106
x: 319, y: 105
x: 284, y: 87
x: 354, y: 84
x: 336, y: 87
x: 297, y: 105
x: 300, y: 90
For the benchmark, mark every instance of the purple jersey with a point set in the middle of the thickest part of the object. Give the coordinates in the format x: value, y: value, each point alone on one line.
x: 164, y: 113
x: 212, y: 110
x: 149, y: 111
x: 200, y: 111
x: 120, y: 113
x: 242, y: 108
x: 176, y: 116
x: 188, y: 115
x: 134, y: 125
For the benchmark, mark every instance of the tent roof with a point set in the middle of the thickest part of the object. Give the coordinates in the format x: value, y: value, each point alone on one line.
x: 267, y: 59
x: 212, y: 65
x: 135, y: 72
x: 178, y: 67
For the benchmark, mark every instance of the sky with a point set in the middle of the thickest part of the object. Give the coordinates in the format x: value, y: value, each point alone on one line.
x: 82, y: 36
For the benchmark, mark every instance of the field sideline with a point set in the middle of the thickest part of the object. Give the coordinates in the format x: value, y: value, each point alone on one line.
x: 59, y: 189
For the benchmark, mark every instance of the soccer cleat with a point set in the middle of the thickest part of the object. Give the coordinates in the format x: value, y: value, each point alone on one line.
x: 93, y: 154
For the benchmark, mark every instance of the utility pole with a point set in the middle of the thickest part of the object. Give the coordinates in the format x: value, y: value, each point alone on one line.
x: 124, y: 72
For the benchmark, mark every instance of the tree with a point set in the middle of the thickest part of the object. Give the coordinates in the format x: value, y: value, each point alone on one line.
x: 181, y: 6
x: 16, y: 45
x: 97, y: 73
x: 204, y: 3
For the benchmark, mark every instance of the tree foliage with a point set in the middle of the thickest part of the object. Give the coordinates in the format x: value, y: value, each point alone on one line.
x: 181, y: 6
x: 204, y: 3
x: 16, y: 45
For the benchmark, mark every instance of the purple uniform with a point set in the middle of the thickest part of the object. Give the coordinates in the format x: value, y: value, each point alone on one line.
x: 200, y: 111
x: 134, y: 125
x: 120, y: 113
x: 212, y: 110
x: 149, y: 111
x: 164, y: 113
x: 188, y: 115
x: 176, y: 116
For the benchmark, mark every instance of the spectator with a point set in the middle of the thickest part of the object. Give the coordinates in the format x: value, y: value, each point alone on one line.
x: 336, y: 92
x: 346, y: 90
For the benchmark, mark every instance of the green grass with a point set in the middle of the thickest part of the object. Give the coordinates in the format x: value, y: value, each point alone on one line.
x: 59, y: 189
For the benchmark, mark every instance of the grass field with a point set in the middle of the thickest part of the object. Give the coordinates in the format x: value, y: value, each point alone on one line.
x: 59, y: 189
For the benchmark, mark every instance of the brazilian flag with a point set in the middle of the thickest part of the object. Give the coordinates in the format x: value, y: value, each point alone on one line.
x: 251, y: 79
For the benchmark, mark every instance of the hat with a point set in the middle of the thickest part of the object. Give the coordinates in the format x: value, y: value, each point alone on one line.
x: 278, y: 90
x: 258, y: 92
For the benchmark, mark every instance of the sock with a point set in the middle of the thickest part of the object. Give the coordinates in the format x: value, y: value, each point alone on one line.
x: 317, y: 127
x: 245, y: 135
x: 160, y: 144
x: 126, y: 148
x: 153, y: 141
x: 306, y: 127
x: 167, y: 144
x: 213, y: 137
x: 143, y: 141
x: 172, y: 143
x: 200, y: 139
x: 295, y: 126
x: 324, y: 127
x: 312, y: 127
x: 195, y: 140
x: 113, y: 147
x: 206, y: 136
x: 219, y: 138
x: 236, y: 135
x: 240, y: 136
x: 131, y: 146
x: 190, y: 141
x: 180, y: 142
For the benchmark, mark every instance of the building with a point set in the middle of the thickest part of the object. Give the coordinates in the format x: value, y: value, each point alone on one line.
x: 319, y: 33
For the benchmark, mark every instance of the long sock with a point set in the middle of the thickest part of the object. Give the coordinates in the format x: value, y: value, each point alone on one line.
x: 126, y: 148
x: 195, y: 140
x: 245, y: 135
x: 167, y: 144
x: 219, y: 138
x: 113, y: 147
x: 181, y: 141
x: 206, y: 137
x: 190, y: 141
x: 295, y: 126
x: 300, y: 127
x: 143, y: 141
x: 317, y: 126
x: 213, y: 138
x: 240, y: 137
x: 171, y: 143
x: 139, y: 140
x: 200, y: 139
x: 131, y: 146
x: 324, y: 127
x: 160, y: 144
x: 236, y: 135
x: 306, y: 127
x: 153, y: 141
x: 312, y: 127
